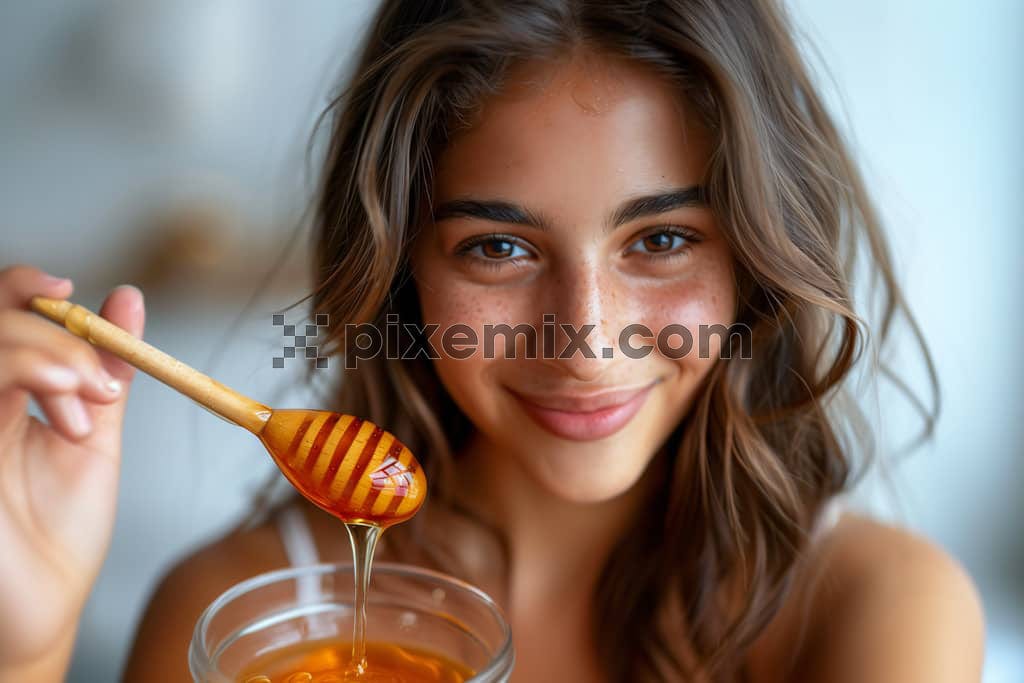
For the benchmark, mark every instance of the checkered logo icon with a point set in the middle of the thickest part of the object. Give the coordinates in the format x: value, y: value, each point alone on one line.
x: 304, y: 341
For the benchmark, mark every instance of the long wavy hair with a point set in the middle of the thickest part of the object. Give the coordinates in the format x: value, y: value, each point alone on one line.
x: 771, y: 437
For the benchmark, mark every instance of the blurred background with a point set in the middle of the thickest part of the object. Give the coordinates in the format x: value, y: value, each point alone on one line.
x: 163, y: 144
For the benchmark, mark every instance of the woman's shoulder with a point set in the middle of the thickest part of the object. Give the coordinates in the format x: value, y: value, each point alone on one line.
x: 875, y: 601
x: 160, y: 650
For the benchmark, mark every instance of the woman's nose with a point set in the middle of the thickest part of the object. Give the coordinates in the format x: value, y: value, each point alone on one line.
x: 578, y: 315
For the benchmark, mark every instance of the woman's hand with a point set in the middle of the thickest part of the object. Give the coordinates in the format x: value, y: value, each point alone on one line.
x: 58, y: 481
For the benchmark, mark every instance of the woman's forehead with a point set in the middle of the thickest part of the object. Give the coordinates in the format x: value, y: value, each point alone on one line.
x: 600, y: 124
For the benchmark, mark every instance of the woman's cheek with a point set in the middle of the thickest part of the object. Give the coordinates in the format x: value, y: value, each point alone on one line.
x: 472, y: 306
x: 684, y: 318
x: 462, y: 364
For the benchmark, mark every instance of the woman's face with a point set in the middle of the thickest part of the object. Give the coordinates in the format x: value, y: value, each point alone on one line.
x: 536, y: 214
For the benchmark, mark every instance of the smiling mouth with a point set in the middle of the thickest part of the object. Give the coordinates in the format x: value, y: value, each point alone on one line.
x: 589, y: 417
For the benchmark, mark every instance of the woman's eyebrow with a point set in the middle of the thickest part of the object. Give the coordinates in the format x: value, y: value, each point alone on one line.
x: 500, y: 211
x: 654, y: 204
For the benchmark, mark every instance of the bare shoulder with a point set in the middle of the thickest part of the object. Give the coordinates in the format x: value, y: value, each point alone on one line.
x: 876, y: 602
x: 160, y: 650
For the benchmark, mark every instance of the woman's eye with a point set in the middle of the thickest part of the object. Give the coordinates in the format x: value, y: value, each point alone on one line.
x: 665, y: 241
x: 492, y: 248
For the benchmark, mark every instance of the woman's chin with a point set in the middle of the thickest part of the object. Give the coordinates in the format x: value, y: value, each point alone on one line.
x: 586, y: 478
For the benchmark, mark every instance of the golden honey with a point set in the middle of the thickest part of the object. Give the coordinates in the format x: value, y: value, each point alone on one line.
x: 369, y: 480
x: 348, y: 466
x: 329, y: 662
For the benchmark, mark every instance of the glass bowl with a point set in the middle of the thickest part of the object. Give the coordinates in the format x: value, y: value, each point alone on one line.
x: 406, y: 605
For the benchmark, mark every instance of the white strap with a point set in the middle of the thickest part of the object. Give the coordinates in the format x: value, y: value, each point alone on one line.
x: 828, y: 517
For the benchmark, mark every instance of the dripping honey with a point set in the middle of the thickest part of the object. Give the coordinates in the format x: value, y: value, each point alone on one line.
x: 369, y: 480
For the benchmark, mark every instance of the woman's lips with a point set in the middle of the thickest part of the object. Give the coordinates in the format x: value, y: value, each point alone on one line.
x: 615, y: 411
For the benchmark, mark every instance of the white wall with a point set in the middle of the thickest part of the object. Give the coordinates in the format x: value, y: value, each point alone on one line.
x: 104, y: 115
x: 935, y: 98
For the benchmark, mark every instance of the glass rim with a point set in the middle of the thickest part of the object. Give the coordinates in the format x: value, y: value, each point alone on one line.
x: 197, y: 648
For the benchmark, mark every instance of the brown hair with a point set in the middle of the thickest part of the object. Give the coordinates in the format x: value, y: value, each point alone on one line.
x: 768, y: 440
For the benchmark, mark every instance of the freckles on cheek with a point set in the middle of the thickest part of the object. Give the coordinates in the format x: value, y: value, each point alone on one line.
x: 690, y: 304
x: 465, y: 306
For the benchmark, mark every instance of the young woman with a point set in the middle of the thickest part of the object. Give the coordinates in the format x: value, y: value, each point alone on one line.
x: 664, y: 516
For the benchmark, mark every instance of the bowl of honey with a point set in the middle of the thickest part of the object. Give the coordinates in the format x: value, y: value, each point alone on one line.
x: 295, y: 625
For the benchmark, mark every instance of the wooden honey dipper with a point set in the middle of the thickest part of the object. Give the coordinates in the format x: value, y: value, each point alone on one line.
x: 348, y: 466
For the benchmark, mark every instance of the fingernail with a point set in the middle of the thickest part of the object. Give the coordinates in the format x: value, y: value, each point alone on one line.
x: 78, y: 418
x: 142, y: 297
x: 53, y: 280
x: 59, y: 375
x: 106, y: 381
